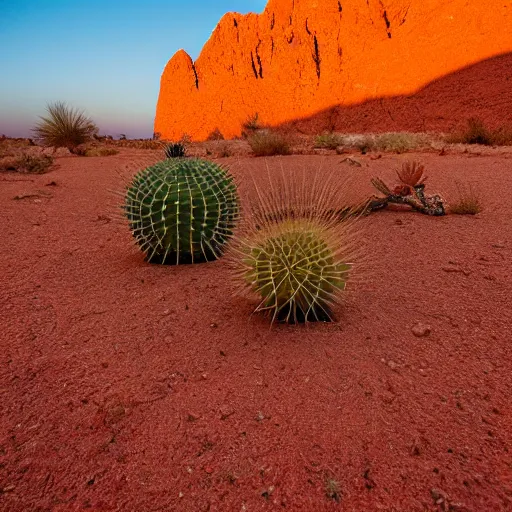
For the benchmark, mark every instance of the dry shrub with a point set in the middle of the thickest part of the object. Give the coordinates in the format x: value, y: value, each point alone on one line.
x: 468, y: 201
x: 27, y: 164
x: 476, y: 132
x: 64, y: 127
x: 251, y: 125
x: 396, y: 142
x: 269, y: 143
x: 329, y: 140
x: 215, y: 135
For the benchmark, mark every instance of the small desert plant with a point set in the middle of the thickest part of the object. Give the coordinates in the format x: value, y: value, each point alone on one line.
x: 215, y: 135
x: 333, y: 489
x: 224, y: 151
x: 27, y: 164
x: 251, y: 125
x: 399, y: 142
x: 468, y: 202
x: 328, y: 140
x: 175, y: 150
x: 64, y: 127
x: 268, y: 143
x: 182, y: 211
x: 293, y: 251
x: 477, y: 133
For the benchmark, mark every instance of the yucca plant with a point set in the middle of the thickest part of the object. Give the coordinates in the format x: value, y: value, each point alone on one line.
x: 182, y: 211
x: 175, y: 150
x: 293, y: 250
x: 64, y: 127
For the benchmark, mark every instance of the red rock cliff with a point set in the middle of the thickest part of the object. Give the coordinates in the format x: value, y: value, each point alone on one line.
x: 302, y: 57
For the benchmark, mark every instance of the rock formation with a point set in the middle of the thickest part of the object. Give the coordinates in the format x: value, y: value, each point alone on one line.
x: 309, y: 62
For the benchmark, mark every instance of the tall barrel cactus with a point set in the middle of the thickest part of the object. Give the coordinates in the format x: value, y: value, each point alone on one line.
x: 182, y: 211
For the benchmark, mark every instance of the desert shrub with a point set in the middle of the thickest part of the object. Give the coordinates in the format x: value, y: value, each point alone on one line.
x: 468, y: 201
x: 251, y: 125
x: 396, y: 142
x: 224, y: 151
x: 175, y: 150
x: 502, y: 136
x: 27, y: 164
x: 328, y: 140
x: 268, y: 143
x: 476, y: 132
x: 64, y: 127
x: 215, y: 135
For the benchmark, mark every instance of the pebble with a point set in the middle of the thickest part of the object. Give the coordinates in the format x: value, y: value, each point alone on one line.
x: 421, y: 330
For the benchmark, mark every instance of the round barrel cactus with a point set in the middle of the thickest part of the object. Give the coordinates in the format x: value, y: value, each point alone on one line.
x: 182, y: 211
x: 296, y: 269
x: 296, y: 249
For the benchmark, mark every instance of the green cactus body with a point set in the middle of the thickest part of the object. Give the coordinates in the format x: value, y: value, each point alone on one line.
x: 182, y: 211
x: 296, y: 271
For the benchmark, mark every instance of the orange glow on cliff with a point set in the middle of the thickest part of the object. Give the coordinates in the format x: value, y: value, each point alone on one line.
x: 301, y: 57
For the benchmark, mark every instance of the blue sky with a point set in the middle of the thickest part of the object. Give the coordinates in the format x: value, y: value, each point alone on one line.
x: 101, y: 56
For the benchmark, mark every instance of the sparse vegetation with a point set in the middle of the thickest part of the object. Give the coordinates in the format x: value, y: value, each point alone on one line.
x: 333, y: 490
x: 215, y: 135
x: 396, y: 142
x: 468, y: 202
x: 329, y: 140
x: 251, y: 125
x: 27, y: 164
x: 224, y: 151
x: 64, y: 127
x: 175, y: 150
x: 476, y: 132
x: 268, y: 143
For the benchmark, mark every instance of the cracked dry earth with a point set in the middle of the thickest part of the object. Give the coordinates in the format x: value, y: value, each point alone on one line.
x: 132, y: 387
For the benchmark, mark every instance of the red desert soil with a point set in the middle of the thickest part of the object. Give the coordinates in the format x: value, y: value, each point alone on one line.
x: 132, y: 387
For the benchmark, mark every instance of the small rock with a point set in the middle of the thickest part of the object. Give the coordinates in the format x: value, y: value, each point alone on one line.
x: 421, y: 330
x: 192, y: 416
x: 394, y: 366
x: 260, y: 416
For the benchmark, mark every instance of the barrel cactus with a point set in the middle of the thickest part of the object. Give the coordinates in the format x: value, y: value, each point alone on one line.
x: 294, y: 252
x: 182, y: 211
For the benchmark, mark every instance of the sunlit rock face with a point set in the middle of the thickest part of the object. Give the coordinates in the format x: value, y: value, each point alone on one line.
x: 348, y: 65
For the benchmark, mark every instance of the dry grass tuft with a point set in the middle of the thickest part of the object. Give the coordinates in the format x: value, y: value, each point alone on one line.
x: 269, y: 143
x: 328, y: 140
x: 476, y: 132
x: 396, y: 142
x: 468, y: 202
x: 251, y: 125
x: 64, y: 127
x: 27, y: 164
